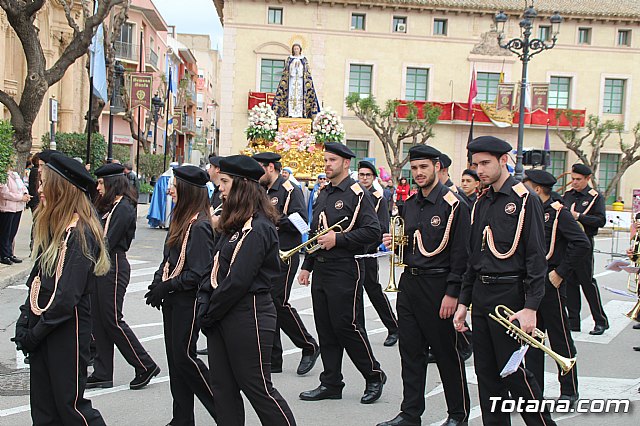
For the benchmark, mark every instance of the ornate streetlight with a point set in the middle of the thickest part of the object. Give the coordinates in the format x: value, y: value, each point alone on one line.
x: 525, y: 48
x: 114, y: 107
x: 157, y: 105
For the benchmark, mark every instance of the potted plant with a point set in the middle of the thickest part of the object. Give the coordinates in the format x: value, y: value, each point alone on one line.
x: 145, y: 193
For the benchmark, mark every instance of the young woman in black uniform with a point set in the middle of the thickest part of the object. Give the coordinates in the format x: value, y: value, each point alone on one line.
x: 116, y: 205
x: 188, y: 252
x: 55, y: 322
x: 237, y: 312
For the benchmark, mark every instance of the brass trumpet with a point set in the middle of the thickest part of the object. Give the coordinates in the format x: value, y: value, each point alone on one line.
x: 633, y: 282
x: 502, y: 317
x: 311, y: 248
x: 398, y: 240
x: 634, y: 313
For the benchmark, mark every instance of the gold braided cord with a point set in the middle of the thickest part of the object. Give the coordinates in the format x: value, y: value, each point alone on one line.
x: 417, y: 237
x: 37, y: 282
x: 285, y: 209
x: 108, y: 221
x: 473, y: 210
x: 246, y: 228
x: 487, y: 234
x: 573, y: 206
x: 553, y: 235
x: 183, y: 254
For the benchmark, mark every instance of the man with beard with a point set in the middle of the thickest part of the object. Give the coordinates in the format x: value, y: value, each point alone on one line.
x: 288, y: 199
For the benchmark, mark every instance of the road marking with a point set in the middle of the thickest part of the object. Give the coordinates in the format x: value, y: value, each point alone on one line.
x: 138, y: 286
x: 137, y: 262
x: 151, y: 324
x: 148, y: 339
x: 615, y: 310
x: 602, y: 274
x: 143, y: 271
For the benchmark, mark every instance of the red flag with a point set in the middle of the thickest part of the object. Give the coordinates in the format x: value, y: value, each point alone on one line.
x: 473, y: 91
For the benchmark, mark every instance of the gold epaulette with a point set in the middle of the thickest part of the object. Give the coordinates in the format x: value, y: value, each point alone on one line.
x: 377, y: 194
x: 288, y: 186
x: 356, y: 188
x: 557, y: 205
x: 450, y: 198
x: 520, y: 189
x: 454, y: 189
x: 593, y: 192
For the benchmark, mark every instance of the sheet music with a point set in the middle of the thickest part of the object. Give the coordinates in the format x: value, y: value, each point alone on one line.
x: 300, y: 224
x: 515, y: 361
x: 616, y: 265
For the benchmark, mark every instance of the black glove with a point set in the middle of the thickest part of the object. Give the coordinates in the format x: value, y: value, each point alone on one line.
x: 157, y: 293
x: 26, y: 342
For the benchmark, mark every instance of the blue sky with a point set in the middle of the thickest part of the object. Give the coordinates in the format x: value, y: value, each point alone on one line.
x: 193, y: 17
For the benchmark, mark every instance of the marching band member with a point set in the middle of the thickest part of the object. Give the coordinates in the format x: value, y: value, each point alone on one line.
x: 55, y: 322
x: 337, y: 286
x: 566, y: 246
x: 437, y: 228
x: 366, y: 175
x: 443, y: 174
x: 187, y: 259
x: 507, y: 266
x: 287, y: 199
x: 117, y: 206
x: 214, y: 176
x: 237, y: 313
x: 588, y: 208
x: 469, y: 183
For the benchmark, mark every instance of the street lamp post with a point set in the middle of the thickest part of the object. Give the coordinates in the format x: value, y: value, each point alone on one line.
x: 157, y: 105
x: 525, y: 48
x: 113, y: 108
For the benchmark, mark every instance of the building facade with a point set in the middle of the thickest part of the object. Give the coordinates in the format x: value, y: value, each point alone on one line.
x: 426, y: 50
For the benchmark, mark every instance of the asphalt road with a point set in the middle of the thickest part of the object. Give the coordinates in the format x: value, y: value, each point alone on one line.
x: 608, y: 367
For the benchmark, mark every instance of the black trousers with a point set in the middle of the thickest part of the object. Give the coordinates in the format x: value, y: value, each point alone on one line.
x: 188, y: 376
x: 288, y: 319
x: 109, y: 327
x: 336, y: 293
x: 492, y: 348
x: 239, y: 353
x: 419, y: 302
x: 9, y: 223
x: 378, y: 299
x: 59, y: 373
x: 584, y: 278
x: 552, y: 318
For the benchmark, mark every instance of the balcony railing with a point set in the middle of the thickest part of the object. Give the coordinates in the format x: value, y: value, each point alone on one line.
x: 126, y: 51
x: 152, y: 58
x: 189, y: 125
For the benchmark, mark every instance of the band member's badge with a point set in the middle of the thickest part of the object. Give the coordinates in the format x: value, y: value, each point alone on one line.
x: 510, y: 208
x: 585, y: 203
x: 546, y: 217
x: 234, y: 237
x: 274, y: 201
x: 435, y: 221
x: 339, y: 205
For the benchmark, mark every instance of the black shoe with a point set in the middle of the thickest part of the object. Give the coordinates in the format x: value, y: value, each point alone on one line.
x: 373, y: 391
x: 400, y: 420
x: 276, y: 369
x: 141, y: 380
x: 571, y: 398
x: 574, y: 326
x: 635, y: 348
x: 93, y: 382
x: 320, y: 393
x: 431, y: 358
x: 6, y: 261
x: 454, y: 422
x: 15, y: 259
x: 307, y: 362
x: 598, y: 330
x: 204, y: 351
x: 637, y: 326
x: 391, y: 339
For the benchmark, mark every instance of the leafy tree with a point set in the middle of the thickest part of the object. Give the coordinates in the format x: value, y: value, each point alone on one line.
x: 151, y: 165
x: 6, y: 149
x: 75, y: 145
x: 122, y: 153
x: 391, y: 130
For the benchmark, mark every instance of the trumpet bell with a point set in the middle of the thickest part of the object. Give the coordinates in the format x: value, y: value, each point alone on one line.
x: 634, y: 313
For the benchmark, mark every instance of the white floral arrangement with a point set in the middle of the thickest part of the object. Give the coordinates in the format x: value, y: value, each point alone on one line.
x: 263, y: 123
x: 327, y: 127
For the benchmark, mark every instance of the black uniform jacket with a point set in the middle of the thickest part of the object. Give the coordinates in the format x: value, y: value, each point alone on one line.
x: 122, y: 226
x: 500, y: 210
x: 216, y: 198
x: 382, y: 210
x: 426, y: 223
x: 591, y: 206
x: 288, y: 199
x: 340, y: 201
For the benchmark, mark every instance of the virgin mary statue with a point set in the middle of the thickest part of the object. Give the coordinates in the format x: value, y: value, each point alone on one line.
x: 296, y: 96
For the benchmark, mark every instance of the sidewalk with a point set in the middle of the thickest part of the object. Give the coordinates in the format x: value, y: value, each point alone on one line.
x: 19, y: 271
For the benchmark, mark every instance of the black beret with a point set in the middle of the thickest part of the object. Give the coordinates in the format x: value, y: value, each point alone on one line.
x: 581, y: 169
x: 367, y: 165
x: 471, y: 173
x: 489, y: 144
x: 540, y: 177
x: 445, y: 161
x: 423, y: 152
x: 192, y: 175
x: 73, y: 171
x: 45, y: 155
x: 339, y: 149
x: 110, y: 170
x: 267, y: 157
x: 214, y: 160
x: 241, y: 166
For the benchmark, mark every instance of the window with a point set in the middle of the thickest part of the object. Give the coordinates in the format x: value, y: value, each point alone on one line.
x: 126, y: 34
x: 360, y: 149
x: 558, y: 166
x: 406, y: 169
x: 358, y: 21
x: 487, y: 83
x: 613, y: 96
x: 360, y: 79
x: 607, y: 170
x: 559, y: 88
x: 275, y: 16
x: 624, y: 37
x: 584, y: 35
x: 544, y: 32
x: 417, y: 84
x: 400, y: 24
x: 440, y: 27
x: 270, y: 74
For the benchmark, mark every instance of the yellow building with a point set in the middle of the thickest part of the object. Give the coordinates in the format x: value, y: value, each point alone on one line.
x: 426, y: 50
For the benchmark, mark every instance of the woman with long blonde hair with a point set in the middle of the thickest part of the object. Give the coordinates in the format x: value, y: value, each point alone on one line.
x: 54, y: 327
